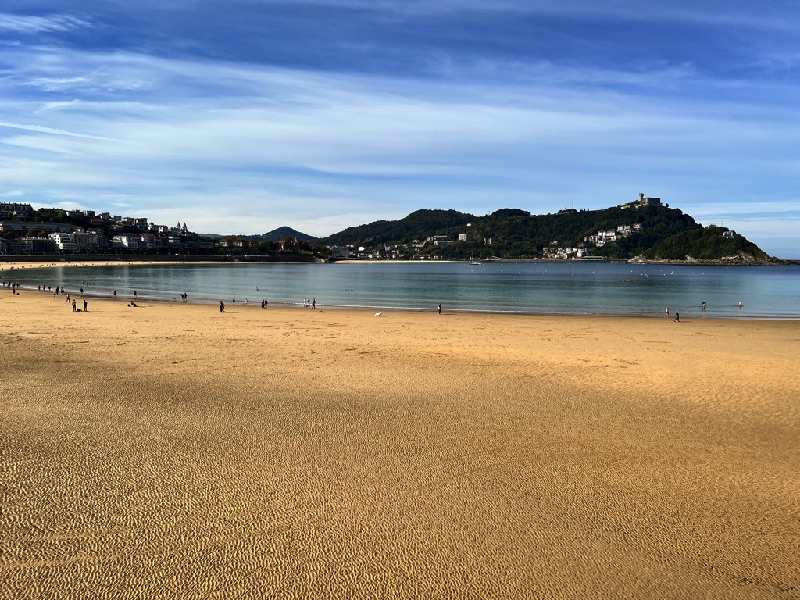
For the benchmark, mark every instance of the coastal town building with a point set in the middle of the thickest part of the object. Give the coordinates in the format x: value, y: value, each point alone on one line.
x: 15, y: 226
x: 88, y: 241
x: 80, y: 213
x: 147, y: 241
x: 131, y: 242
x: 31, y: 245
x: 63, y: 241
x: 340, y: 252
x: 15, y: 209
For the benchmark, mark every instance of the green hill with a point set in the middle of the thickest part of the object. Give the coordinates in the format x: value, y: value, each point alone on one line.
x: 709, y: 243
x: 282, y: 233
x: 619, y: 232
x: 419, y: 224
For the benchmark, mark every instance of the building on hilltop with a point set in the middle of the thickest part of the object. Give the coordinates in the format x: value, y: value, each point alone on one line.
x: 645, y: 201
x: 23, y: 226
x: 642, y: 200
x: 15, y: 209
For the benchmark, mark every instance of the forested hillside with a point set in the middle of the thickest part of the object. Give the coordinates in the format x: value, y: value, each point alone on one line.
x: 618, y: 232
x: 419, y: 224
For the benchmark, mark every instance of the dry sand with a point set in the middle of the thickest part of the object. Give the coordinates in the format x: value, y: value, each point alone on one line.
x: 171, y: 451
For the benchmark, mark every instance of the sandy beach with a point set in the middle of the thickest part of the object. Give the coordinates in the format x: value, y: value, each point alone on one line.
x: 174, y: 451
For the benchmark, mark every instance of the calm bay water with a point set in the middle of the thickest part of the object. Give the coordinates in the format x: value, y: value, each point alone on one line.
x: 568, y: 288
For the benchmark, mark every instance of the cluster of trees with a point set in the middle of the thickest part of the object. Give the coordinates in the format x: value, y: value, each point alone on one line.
x: 418, y: 225
x: 708, y: 243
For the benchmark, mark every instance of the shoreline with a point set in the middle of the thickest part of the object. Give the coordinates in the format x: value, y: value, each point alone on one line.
x: 199, y: 299
x: 274, y: 305
x: 258, y: 259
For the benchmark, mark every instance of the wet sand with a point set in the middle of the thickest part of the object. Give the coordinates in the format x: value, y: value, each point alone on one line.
x: 173, y: 451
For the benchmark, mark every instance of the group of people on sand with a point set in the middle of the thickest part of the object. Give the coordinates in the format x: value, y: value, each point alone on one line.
x: 703, y: 306
x: 75, y: 306
x: 264, y: 304
x: 68, y: 298
x: 14, y: 287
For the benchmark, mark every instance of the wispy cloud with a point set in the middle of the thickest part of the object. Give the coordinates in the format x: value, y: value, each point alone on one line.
x: 735, y: 12
x: 27, y: 24
x: 51, y: 131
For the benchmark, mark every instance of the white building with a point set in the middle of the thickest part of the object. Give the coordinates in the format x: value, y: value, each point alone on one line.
x: 127, y: 241
x: 64, y: 241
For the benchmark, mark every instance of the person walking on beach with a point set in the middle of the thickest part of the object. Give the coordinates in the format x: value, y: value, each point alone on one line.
x: 314, y: 303
x: 677, y: 316
x: 85, y: 306
x: 115, y: 294
x: 135, y: 297
x: 439, y: 308
x: 74, y: 307
x: 666, y: 313
x: 221, y: 306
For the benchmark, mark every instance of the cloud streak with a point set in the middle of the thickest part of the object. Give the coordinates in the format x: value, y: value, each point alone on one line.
x: 29, y: 25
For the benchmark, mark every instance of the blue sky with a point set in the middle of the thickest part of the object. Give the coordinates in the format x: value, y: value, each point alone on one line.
x: 246, y: 115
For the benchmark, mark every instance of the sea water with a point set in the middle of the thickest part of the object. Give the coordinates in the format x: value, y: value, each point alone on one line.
x: 538, y: 287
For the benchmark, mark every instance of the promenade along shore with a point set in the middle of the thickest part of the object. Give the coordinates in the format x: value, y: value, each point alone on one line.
x: 173, y: 451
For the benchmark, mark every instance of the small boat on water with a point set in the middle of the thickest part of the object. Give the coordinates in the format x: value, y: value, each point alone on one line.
x: 474, y: 262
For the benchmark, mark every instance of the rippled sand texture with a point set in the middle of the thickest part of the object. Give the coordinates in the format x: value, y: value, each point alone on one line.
x: 172, y: 451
